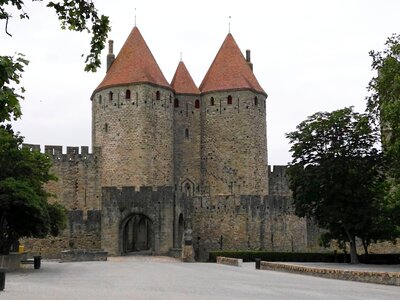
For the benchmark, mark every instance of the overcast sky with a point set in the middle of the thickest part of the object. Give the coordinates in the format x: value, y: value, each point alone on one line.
x: 308, y: 55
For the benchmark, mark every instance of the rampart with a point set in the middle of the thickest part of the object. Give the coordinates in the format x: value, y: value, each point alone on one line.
x: 78, y: 173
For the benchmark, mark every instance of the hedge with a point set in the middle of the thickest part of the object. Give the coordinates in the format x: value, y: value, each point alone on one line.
x: 249, y: 256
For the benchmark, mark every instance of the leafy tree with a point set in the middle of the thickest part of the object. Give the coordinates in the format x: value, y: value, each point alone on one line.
x: 78, y: 15
x: 336, y: 175
x: 384, y: 107
x: 24, y: 210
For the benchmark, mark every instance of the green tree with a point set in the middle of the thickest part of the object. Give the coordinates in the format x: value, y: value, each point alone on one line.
x: 335, y: 176
x: 24, y: 210
x: 384, y: 107
x: 78, y: 15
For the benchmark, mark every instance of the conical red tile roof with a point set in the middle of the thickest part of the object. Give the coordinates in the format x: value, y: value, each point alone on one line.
x: 230, y: 71
x: 182, y: 82
x: 134, y: 64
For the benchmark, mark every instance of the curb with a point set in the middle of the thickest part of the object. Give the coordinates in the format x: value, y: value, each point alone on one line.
x: 388, y: 278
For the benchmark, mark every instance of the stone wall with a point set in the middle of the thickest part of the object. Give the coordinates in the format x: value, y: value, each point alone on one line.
x: 119, y: 204
x: 135, y: 135
x: 78, y: 174
x: 82, y: 232
x: 187, y: 144
x: 234, y: 144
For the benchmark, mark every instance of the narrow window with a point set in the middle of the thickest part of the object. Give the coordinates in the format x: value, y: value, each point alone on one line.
x: 110, y: 96
x: 212, y: 101
x: 99, y: 99
x: 229, y: 99
x: 170, y: 99
x: 158, y: 95
x: 187, y: 133
x: 106, y: 127
x: 176, y: 103
x: 197, y: 103
x: 127, y: 94
x: 255, y: 101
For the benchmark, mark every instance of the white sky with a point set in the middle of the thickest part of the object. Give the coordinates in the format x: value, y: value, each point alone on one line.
x: 309, y: 56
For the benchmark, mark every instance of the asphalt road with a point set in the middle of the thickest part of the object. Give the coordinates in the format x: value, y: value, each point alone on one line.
x: 164, y: 278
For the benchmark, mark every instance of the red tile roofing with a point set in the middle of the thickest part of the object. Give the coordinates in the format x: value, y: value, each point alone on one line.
x: 182, y: 82
x: 230, y: 71
x: 135, y: 63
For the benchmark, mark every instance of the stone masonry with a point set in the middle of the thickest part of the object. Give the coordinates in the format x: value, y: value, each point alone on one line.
x: 170, y: 157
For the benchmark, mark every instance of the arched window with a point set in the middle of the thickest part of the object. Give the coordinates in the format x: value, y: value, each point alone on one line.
x: 212, y: 101
x: 197, y: 103
x: 255, y: 101
x: 229, y: 99
x: 99, y: 99
x: 158, y: 95
x: 127, y: 94
x: 110, y: 96
x: 187, y: 133
x: 176, y: 103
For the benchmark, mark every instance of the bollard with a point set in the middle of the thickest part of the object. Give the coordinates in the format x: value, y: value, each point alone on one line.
x: 2, y: 278
x: 258, y: 263
x: 36, y: 261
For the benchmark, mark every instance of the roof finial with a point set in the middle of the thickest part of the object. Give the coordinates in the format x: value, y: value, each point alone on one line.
x: 181, y: 57
x: 135, y: 16
x: 229, y: 25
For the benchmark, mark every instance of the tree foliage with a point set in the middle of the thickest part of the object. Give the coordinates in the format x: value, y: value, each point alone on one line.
x: 24, y: 210
x: 384, y: 107
x: 336, y: 175
x: 11, y: 69
x: 78, y: 15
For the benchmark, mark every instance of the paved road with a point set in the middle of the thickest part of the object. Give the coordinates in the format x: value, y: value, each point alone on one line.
x: 164, y: 278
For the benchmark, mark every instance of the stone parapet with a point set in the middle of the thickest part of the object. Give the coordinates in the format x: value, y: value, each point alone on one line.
x: 83, y: 255
x: 389, y: 278
x: 237, y: 262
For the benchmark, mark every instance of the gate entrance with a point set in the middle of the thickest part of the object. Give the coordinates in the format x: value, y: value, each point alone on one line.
x: 137, y: 234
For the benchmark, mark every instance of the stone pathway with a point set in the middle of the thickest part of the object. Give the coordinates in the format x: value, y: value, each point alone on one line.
x: 166, y: 278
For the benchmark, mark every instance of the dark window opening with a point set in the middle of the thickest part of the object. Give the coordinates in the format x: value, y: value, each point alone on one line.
x: 187, y: 133
x: 99, y: 99
x: 106, y: 127
x: 170, y: 99
x: 255, y: 101
x: 176, y: 103
x: 127, y: 94
x: 110, y: 95
x: 229, y: 99
x: 212, y: 101
x: 158, y: 95
x: 197, y: 104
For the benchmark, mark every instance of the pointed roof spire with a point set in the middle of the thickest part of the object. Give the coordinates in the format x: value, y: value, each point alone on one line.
x: 134, y: 64
x: 182, y: 82
x: 230, y: 71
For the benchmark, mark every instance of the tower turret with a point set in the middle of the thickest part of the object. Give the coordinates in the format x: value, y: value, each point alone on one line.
x: 186, y: 131
x: 234, y: 144
x: 133, y: 119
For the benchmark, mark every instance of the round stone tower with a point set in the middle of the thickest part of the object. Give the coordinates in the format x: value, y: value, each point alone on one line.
x: 233, y: 135
x: 132, y: 119
x: 186, y: 132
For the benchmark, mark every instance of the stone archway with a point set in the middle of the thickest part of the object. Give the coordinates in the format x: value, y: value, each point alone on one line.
x: 137, y: 234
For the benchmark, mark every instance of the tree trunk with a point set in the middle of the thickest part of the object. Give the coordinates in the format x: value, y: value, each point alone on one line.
x: 353, y: 248
x: 365, y: 245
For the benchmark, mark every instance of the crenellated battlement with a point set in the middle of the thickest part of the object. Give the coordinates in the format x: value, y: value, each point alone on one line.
x: 278, y: 181
x: 71, y: 151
